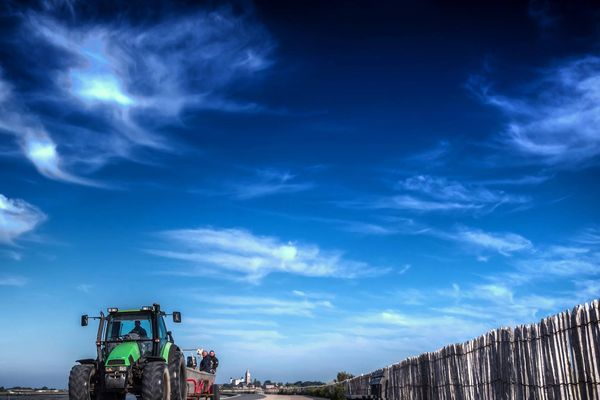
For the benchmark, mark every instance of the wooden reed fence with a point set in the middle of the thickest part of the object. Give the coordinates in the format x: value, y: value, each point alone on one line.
x: 557, y: 358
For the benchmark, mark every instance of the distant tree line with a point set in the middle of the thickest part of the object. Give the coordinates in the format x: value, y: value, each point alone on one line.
x: 257, y: 383
x: 3, y: 389
x: 343, y: 375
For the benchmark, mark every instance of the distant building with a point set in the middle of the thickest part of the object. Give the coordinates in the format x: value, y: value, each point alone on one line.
x: 246, y: 380
x: 236, y: 381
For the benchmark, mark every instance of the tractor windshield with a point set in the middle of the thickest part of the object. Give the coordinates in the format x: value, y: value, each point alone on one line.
x: 129, y: 327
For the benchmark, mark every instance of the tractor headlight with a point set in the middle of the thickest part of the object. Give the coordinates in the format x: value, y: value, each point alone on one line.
x: 147, y: 308
x: 113, y: 310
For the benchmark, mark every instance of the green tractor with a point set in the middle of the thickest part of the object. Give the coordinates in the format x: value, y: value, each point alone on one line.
x: 135, y: 354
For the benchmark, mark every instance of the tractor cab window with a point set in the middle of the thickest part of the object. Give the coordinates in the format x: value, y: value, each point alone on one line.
x: 129, y: 327
x: 162, y: 331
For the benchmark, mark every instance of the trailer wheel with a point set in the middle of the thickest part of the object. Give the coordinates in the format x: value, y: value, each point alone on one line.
x: 81, y: 382
x: 216, y: 394
x: 177, y: 373
x: 156, y: 384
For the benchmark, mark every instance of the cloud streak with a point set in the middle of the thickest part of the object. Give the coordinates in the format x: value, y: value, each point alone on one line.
x: 241, y: 254
x: 270, y: 305
x: 269, y: 182
x: 16, y: 281
x: 430, y: 193
x: 555, y: 120
x: 504, y: 243
x: 433, y: 194
x: 17, y: 217
x: 118, y: 84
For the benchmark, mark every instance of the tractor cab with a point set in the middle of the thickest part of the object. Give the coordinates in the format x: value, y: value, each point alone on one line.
x: 137, y: 333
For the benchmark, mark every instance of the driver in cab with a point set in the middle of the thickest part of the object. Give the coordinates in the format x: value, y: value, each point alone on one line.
x: 137, y: 329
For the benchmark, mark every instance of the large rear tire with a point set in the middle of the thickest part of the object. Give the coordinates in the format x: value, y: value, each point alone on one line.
x: 156, y: 384
x: 177, y: 373
x: 81, y: 382
x: 216, y: 394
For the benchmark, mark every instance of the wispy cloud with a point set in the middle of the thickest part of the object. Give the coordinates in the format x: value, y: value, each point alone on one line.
x: 17, y: 217
x: 554, y: 121
x: 589, y: 236
x: 35, y: 143
x: 442, y: 194
x: 269, y: 182
x: 504, y: 243
x: 118, y: 84
x: 562, y: 261
x: 269, y: 305
x: 432, y: 158
x: 12, y: 281
x: 426, y: 194
x: 517, y: 181
x: 247, y: 256
x: 85, y: 287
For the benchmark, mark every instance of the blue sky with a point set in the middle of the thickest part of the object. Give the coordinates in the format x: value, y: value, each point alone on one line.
x: 314, y: 189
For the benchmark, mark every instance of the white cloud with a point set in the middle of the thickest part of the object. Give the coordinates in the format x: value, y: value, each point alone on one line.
x: 589, y: 236
x: 442, y: 194
x: 504, y: 243
x: 562, y: 261
x: 269, y: 182
x: 17, y: 217
x: 407, y: 202
x: 477, y: 240
x: 556, y: 120
x: 252, y: 257
x: 250, y: 305
x: 39, y: 148
x: 12, y: 281
x: 124, y: 83
x: 85, y: 287
x: 425, y: 193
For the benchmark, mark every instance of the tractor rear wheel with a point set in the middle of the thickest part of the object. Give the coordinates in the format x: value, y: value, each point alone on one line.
x: 156, y: 384
x: 81, y: 382
x: 177, y: 374
x: 216, y: 394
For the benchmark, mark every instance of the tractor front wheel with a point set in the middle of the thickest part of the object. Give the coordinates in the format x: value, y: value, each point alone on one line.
x: 81, y: 382
x: 156, y: 384
x: 178, y: 375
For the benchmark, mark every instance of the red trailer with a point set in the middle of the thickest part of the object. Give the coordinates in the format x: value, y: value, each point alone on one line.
x: 200, y: 384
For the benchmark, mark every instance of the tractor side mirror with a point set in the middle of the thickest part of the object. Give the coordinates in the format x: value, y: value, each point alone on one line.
x: 84, y: 320
x: 176, y: 317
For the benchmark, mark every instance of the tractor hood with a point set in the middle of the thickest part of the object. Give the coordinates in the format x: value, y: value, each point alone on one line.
x: 124, y: 354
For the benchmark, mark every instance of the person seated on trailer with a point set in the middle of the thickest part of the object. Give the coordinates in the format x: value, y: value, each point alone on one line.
x: 214, y: 362
x: 205, y: 363
x: 137, y: 329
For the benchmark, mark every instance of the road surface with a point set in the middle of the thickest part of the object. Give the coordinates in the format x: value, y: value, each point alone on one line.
x: 268, y: 397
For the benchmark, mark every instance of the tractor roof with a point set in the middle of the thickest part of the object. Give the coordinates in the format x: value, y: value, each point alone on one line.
x: 143, y: 309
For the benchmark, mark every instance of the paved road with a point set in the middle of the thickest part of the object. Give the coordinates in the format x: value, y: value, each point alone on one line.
x: 269, y: 397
